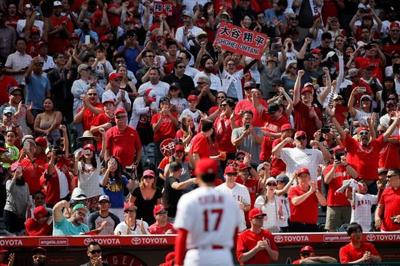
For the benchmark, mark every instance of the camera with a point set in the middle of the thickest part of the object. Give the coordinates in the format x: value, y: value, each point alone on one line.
x: 247, y: 126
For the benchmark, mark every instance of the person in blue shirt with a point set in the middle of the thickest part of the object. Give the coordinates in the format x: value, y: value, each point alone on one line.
x: 130, y: 50
x: 74, y: 225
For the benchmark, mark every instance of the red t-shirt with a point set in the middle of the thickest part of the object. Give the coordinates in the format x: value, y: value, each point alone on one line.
x: 223, y: 132
x: 303, y: 121
x: 52, y: 185
x: 200, y: 145
x: 390, y: 200
x: 389, y: 156
x: 124, y: 145
x: 364, y: 159
x: 156, y: 229
x: 32, y: 173
x: 99, y: 120
x: 307, y: 211
x: 277, y: 165
x: 115, y: 20
x: 89, y: 116
x: 166, y: 130
x: 60, y: 40
x: 5, y: 83
x: 349, y: 253
x: 245, y: 105
x: 336, y: 199
x: 340, y: 113
x: 247, y: 240
x: 33, y: 228
x: 273, y: 126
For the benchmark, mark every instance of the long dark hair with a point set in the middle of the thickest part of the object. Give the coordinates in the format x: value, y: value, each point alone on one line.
x: 117, y: 175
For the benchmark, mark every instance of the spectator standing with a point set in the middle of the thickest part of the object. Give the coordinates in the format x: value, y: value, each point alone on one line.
x: 80, y: 87
x: 17, y: 202
x: 239, y: 193
x: 256, y: 245
x: 89, y: 110
x: 248, y: 138
x: 37, y: 85
x: 17, y: 63
x: 387, y: 215
x: 180, y: 77
x: 304, y: 199
x: 47, y: 123
x: 358, y: 251
x: 97, y: 218
x: 130, y: 225
x: 130, y: 51
x: 8, y: 35
x: 338, y: 211
x: 123, y: 141
x: 146, y: 196
x: 120, y: 96
x: 74, y: 225
x: 161, y: 225
x: 160, y: 88
x: 6, y: 81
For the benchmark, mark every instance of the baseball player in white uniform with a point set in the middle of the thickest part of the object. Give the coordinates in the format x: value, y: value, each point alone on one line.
x: 239, y: 193
x: 207, y: 221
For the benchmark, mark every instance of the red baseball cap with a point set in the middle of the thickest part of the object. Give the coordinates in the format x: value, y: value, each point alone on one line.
x: 89, y: 147
x: 359, y: 129
x: 300, y: 133
x: 206, y: 166
x: 394, y: 25
x: 40, y: 141
x: 255, y: 212
x: 286, y: 126
x: 302, y: 170
x: 113, y: 76
x: 307, y: 249
x: 120, y: 110
x: 158, y: 209
x: 179, y: 147
x: 230, y: 170
x: 308, y: 87
x: 40, y: 210
x: 192, y: 98
x: 149, y: 172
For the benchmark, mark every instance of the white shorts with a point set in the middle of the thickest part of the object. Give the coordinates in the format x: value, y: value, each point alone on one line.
x: 208, y: 257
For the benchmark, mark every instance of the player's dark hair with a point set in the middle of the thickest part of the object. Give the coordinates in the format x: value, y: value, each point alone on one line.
x: 353, y: 227
x: 208, y: 178
x: 206, y: 125
x: 248, y: 112
x: 175, y: 166
x: 93, y: 243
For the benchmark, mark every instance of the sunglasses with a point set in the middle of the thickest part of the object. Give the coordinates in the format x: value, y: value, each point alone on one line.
x: 259, y: 217
x: 232, y: 174
x: 305, y: 254
x: 94, y: 251
x: 247, y: 88
x: 271, y: 184
x: 126, y: 211
x: 103, y: 202
x: 121, y: 117
x: 148, y: 177
x: 92, y: 94
x: 223, y: 105
x: 364, y: 133
x: 221, y: 97
x: 301, y: 138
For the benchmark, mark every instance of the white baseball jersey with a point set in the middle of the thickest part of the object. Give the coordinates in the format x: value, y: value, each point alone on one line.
x: 241, y: 194
x: 361, y: 210
x: 294, y: 158
x: 210, y: 216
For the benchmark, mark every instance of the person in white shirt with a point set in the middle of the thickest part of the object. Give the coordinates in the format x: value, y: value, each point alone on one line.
x: 192, y: 111
x: 159, y: 88
x: 130, y: 225
x: 361, y: 204
x: 300, y: 156
x: 187, y: 31
x: 115, y: 93
x: 239, y: 192
x: 80, y: 87
x: 207, y: 64
x: 142, y: 106
x: 29, y: 13
x: 17, y: 63
x: 186, y: 58
x: 206, y: 221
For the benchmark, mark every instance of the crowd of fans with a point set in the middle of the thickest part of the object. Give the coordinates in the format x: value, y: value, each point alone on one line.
x: 107, y: 106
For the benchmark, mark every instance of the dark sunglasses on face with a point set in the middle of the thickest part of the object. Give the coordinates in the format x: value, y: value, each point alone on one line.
x: 271, y: 184
x: 148, y: 177
x: 92, y: 94
x: 94, y: 251
x: 232, y: 174
x: 301, y: 138
x: 126, y: 211
x: 16, y: 94
x: 364, y: 133
x: 221, y: 97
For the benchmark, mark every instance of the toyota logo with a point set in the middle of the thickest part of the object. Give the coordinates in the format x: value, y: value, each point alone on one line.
x: 87, y: 240
x: 278, y: 239
x: 371, y: 237
x: 136, y: 241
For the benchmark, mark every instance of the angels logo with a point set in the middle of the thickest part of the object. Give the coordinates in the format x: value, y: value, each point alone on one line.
x: 370, y: 237
x: 126, y: 259
x: 278, y: 239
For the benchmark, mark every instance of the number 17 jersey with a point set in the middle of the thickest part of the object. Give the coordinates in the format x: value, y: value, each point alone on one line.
x: 210, y: 217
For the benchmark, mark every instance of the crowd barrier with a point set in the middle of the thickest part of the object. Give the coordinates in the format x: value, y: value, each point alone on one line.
x: 151, y: 250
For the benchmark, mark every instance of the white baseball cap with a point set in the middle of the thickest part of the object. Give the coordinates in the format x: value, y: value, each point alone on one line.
x: 57, y: 3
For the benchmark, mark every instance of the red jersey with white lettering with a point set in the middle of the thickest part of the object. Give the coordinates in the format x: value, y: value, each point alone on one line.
x: 340, y: 174
x: 349, y: 253
x: 248, y: 240
x: 210, y: 217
